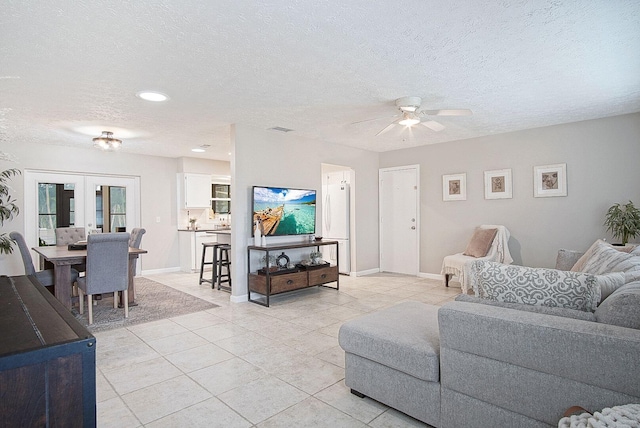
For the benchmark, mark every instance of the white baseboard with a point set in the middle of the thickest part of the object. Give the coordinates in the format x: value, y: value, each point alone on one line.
x: 239, y: 299
x: 157, y: 271
x: 366, y: 272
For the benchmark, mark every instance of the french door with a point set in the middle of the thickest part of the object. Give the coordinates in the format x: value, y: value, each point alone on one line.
x: 97, y: 203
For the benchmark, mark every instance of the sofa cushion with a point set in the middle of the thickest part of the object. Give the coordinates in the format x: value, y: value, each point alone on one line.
x: 480, y: 242
x: 535, y: 286
x: 622, y: 308
x: 404, y: 337
x: 547, y: 310
x: 602, y: 258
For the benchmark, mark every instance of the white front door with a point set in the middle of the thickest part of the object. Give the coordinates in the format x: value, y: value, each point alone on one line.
x: 399, y: 215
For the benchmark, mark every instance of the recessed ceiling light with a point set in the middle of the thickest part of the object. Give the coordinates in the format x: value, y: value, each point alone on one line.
x: 197, y: 150
x: 152, y: 96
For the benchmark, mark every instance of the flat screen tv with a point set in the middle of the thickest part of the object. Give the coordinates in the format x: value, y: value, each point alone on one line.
x: 284, y: 211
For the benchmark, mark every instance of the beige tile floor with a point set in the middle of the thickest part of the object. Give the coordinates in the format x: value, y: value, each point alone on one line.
x: 244, y: 365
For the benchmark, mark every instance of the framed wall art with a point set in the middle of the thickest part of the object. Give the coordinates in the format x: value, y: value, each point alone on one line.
x: 454, y: 187
x: 550, y: 180
x: 498, y: 184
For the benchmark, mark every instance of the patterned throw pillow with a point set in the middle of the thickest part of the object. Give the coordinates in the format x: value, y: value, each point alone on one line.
x: 535, y: 286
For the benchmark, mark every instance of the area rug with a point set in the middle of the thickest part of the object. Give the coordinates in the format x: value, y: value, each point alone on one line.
x: 155, y: 301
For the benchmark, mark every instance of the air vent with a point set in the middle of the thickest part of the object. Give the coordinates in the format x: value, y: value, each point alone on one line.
x: 205, y: 146
x: 280, y: 128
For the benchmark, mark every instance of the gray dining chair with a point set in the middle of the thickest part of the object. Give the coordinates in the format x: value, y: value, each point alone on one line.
x: 107, y: 270
x: 134, y: 242
x: 71, y: 235
x: 45, y: 277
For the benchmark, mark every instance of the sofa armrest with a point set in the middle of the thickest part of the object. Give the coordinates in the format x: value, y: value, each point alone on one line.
x: 600, y: 355
x: 567, y: 258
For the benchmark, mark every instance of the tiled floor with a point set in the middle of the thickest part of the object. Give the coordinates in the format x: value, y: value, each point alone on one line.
x: 244, y: 365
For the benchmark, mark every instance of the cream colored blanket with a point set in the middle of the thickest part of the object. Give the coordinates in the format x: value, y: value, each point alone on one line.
x: 459, y: 264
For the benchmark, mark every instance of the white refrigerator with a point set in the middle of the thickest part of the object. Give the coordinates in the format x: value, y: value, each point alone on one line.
x: 335, y: 224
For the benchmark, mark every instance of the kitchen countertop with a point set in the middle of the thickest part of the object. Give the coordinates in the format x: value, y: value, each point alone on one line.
x: 220, y: 231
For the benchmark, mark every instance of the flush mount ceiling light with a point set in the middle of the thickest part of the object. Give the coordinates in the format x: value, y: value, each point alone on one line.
x: 152, y: 96
x: 107, y: 142
x: 409, y: 118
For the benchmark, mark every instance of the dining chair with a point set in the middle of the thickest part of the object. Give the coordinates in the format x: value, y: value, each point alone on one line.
x: 107, y: 270
x: 134, y: 242
x: 45, y: 277
x: 71, y: 235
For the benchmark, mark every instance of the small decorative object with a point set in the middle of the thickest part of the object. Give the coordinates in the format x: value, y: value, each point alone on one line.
x: 318, y: 238
x: 454, y: 187
x: 316, y: 257
x: 623, y: 221
x: 257, y: 234
x: 192, y: 223
x: 550, y: 180
x: 264, y: 241
x: 498, y: 184
x: 282, y: 261
x: 268, y: 263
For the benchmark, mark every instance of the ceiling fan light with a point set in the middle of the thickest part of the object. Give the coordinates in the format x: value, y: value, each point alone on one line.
x: 409, y: 119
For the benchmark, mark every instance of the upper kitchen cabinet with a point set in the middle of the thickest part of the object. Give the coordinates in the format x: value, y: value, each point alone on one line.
x: 220, y: 198
x: 195, y: 190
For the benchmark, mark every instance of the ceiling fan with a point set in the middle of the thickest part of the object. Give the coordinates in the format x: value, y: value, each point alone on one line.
x: 410, y: 114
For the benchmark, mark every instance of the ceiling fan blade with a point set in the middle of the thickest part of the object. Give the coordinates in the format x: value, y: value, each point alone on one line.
x: 387, y: 128
x: 375, y: 118
x: 433, y: 125
x: 451, y: 112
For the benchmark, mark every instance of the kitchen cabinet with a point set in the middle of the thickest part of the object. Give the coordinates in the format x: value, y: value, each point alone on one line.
x: 194, y: 190
x: 191, y: 246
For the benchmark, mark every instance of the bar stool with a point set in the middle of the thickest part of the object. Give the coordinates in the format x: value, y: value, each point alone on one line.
x: 214, y: 263
x: 224, y: 262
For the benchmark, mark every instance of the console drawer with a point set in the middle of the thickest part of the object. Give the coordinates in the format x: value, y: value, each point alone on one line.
x: 279, y: 283
x: 323, y: 275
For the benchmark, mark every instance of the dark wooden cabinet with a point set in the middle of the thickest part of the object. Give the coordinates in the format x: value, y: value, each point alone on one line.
x: 47, y: 360
x: 269, y: 283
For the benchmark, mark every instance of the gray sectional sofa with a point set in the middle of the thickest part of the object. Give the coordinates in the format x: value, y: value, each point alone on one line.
x: 479, y: 363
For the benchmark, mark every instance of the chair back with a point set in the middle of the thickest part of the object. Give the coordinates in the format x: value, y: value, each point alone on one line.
x: 24, y: 252
x: 107, y: 262
x: 69, y: 235
x: 136, y: 237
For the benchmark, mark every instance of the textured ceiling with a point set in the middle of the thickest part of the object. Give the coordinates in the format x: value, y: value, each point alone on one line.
x: 314, y: 67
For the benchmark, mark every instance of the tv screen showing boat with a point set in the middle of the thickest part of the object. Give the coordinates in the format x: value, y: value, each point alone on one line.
x: 284, y: 211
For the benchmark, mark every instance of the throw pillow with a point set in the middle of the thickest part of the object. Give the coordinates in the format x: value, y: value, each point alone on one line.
x: 535, y: 286
x: 601, y: 258
x: 622, y: 308
x: 480, y: 242
x: 610, y: 282
x: 636, y: 251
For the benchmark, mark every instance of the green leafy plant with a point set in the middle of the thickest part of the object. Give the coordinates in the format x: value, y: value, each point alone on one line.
x: 8, y: 208
x: 623, y: 221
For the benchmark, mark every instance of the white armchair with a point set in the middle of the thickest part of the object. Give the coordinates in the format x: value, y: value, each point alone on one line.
x: 459, y: 264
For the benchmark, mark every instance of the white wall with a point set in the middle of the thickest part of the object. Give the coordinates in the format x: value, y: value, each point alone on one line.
x: 157, y: 193
x: 270, y: 158
x: 602, y: 167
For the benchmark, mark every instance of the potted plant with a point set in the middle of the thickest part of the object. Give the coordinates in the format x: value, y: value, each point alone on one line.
x: 8, y: 208
x: 623, y: 221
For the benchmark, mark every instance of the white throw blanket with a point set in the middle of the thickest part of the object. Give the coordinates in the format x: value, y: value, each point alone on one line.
x: 459, y: 264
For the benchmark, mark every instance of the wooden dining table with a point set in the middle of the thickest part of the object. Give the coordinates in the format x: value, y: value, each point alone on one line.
x: 62, y: 258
